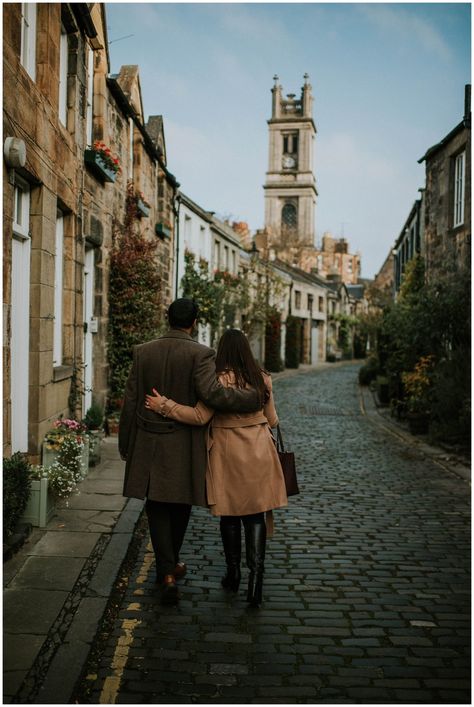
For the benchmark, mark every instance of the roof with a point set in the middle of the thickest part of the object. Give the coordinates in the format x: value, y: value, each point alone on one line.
x: 464, y: 124
x: 299, y: 274
x: 356, y: 291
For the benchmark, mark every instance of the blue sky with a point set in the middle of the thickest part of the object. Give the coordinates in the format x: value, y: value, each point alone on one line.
x: 388, y: 82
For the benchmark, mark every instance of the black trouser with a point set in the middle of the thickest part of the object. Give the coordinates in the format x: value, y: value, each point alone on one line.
x: 167, y: 523
x: 257, y: 518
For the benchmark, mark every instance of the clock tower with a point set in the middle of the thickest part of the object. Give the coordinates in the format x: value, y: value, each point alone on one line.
x: 290, y: 187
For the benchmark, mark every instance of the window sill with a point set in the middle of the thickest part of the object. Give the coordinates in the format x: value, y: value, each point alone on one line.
x: 60, y: 373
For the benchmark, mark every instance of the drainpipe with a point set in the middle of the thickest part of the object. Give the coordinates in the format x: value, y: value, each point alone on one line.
x: 176, y: 210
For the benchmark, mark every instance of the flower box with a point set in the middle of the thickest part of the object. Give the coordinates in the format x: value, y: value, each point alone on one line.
x: 98, y: 167
x: 162, y: 230
x: 51, y: 455
x: 95, y: 440
x: 143, y: 209
x: 41, y: 504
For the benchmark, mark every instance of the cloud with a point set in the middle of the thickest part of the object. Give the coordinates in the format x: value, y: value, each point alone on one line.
x: 404, y: 23
x: 346, y: 156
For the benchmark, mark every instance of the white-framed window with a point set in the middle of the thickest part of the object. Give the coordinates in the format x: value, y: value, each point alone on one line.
x: 21, y: 209
x: 130, y: 148
x: 217, y: 255
x: 234, y: 262
x: 226, y: 257
x: 459, y: 187
x: 90, y: 96
x: 58, y: 291
x: 63, y: 57
x: 297, y: 299
x: 349, y: 265
x: 28, y: 38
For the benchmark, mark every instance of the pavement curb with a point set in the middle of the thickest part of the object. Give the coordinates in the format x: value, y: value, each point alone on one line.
x: 51, y: 659
x: 370, y: 409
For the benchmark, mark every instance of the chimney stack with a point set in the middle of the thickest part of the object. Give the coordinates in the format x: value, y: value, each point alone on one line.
x: 467, y: 102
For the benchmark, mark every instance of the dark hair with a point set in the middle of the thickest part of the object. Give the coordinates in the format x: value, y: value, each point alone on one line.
x: 234, y: 354
x: 182, y: 313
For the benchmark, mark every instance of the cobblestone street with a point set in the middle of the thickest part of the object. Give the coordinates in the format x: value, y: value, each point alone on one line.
x: 366, y: 588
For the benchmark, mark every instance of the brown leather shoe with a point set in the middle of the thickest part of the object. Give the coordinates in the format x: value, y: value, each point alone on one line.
x: 169, y: 591
x: 180, y: 570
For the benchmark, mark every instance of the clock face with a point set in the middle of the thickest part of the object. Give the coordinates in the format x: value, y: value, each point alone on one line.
x: 289, y: 162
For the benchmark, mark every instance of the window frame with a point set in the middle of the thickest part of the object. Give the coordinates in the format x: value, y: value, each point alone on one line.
x: 58, y: 290
x: 28, y: 38
x: 90, y: 97
x: 21, y: 229
x: 459, y: 189
x: 63, y: 74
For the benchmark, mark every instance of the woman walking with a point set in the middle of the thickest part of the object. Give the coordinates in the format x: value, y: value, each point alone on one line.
x: 244, y: 477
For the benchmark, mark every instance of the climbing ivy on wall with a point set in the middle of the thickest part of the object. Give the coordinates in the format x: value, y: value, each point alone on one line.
x: 134, y: 298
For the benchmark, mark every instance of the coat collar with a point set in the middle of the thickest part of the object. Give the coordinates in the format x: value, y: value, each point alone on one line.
x: 177, y: 334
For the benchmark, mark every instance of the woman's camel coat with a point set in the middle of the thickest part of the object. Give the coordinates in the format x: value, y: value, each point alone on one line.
x: 243, y: 474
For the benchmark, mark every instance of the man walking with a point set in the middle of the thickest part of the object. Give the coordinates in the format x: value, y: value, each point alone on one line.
x: 166, y: 460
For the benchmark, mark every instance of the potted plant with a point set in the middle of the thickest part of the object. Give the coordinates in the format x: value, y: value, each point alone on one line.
x: 55, y: 482
x: 16, y: 491
x: 63, y: 430
x: 417, y: 385
x: 94, y: 420
x: 101, y: 162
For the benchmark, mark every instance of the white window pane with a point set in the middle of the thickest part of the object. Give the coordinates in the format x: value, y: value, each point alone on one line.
x: 63, y: 56
x: 28, y: 38
x: 90, y: 95
x: 58, y: 293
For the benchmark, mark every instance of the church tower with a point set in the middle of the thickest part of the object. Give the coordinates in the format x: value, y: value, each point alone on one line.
x: 290, y: 187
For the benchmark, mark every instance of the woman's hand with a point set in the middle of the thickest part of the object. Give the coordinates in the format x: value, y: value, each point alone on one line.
x: 154, y: 402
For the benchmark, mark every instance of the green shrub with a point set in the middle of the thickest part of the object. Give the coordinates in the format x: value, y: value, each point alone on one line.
x: 16, y: 490
x: 94, y: 417
x: 293, y: 342
x: 368, y: 371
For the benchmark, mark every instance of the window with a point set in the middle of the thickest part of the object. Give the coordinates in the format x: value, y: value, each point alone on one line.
x: 297, y: 299
x: 90, y: 97
x: 459, y: 169
x: 63, y: 57
x: 130, y: 148
x: 28, y: 38
x: 310, y: 303
x: 290, y: 144
x: 58, y: 292
x: 187, y: 231
x: 289, y: 218
x: 321, y: 304
x: 226, y: 257
x: 234, y: 262
x: 217, y: 255
x: 21, y: 210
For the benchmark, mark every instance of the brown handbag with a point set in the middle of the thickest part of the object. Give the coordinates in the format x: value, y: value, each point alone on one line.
x: 287, y: 461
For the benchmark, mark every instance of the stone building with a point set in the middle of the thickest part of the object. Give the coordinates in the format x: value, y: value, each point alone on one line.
x: 290, y: 186
x: 447, y: 223
x: 333, y: 258
x: 410, y: 242
x: 63, y: 201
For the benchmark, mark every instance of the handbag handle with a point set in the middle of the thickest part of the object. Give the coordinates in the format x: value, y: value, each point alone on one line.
x: 280, y: 444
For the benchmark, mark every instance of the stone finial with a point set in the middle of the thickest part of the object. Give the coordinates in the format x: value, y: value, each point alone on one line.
x: 306, y: 78
x: 276, y: 78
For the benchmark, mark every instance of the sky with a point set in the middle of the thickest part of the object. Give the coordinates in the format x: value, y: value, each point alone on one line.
x: 388, y: 82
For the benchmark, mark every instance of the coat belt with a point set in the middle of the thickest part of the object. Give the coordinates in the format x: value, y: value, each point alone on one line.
x: 227, y: 421
x: 158, y: 426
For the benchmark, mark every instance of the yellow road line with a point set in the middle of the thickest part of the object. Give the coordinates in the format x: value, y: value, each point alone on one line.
x: 111, y: 686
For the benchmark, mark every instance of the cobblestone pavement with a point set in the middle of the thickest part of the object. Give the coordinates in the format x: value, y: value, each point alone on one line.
x: 367, y: 582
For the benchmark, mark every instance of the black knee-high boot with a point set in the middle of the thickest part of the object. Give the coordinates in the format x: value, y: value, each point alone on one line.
x: 231, y: 540
x: 255, y: 541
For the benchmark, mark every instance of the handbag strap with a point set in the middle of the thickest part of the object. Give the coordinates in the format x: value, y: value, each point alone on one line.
x: 280, y: 439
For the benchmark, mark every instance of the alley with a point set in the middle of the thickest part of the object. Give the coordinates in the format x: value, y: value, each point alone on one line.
x: 367, y: 581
